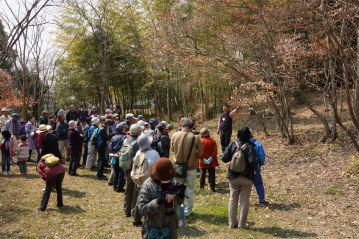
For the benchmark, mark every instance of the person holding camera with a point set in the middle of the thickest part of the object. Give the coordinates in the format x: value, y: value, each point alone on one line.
x: 158, y: 201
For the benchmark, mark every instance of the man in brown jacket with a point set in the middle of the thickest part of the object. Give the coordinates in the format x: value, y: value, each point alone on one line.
x: 186, y: 147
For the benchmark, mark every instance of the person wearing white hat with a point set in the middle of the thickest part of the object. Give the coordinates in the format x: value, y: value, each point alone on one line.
x: 151, y: 156
x: 50, y: 143
x: 92, y: 152
x: 129, y: 197
x: 130, y: 119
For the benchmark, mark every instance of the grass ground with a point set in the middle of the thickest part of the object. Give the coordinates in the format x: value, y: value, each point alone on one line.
x: 310, y: 195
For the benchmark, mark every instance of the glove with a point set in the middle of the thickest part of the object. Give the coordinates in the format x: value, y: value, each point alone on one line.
x: 162, y: 198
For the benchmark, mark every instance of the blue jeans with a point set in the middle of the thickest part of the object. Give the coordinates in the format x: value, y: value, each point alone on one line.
x: 101, y: 160
x: 5, y: 162
x: 258, y: 184
x: 22, y: 167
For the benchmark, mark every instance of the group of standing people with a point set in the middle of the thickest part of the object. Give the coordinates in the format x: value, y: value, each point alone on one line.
x: 138, y: 153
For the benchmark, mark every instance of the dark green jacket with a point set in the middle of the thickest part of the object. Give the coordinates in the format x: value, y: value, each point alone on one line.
x: 152, y: 211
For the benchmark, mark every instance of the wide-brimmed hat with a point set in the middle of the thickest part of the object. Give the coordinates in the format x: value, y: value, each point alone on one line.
x: 43, y: 128
x: 163, y: 170
x: 204, y: 132
x: 144, y: 142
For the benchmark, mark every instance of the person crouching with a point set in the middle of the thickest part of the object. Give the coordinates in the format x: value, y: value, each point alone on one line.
x: 158, y: 200
x: 53, y: 176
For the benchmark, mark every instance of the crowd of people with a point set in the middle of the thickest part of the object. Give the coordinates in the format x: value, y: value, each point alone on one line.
x: 158, y: 189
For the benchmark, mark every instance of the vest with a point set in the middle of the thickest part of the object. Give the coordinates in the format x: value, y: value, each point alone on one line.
x: 225, y: 122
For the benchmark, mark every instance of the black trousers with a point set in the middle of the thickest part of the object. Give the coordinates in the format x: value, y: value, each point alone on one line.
x: 225, y: 138
x: 119, y: 180
x: 130, y: 196
x: 211, y: 178
x: 135, y: 212
x: 56, y: 182
x: 84, y: 156
x: 74, y: 162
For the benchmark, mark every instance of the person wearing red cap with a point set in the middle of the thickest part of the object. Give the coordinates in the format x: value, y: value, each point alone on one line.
x: 158, y: 200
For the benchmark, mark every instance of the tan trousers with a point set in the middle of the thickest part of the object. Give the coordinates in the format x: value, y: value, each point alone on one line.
x: 240, y: 188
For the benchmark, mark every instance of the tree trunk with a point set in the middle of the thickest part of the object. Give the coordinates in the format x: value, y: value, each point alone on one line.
x: 356, y: 85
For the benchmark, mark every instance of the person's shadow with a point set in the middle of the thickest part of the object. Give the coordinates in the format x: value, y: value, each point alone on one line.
x: 190, y: 232
x: 283, y: 233
x: 73, y: 193
x: 66, y: 209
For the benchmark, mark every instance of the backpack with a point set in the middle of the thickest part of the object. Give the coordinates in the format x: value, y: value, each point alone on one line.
x: 157, y: 144
x: 94, y: 136
x: 84, y: 134
x: 140, y: 170
x: 238, y: 163
x: 50, y: 160
x: 125, y: 160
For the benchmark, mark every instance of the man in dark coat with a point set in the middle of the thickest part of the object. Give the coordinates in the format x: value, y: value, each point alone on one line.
x: 75, y: 144
x: 162, y: 142
x: 50, y: 144
x: 72, y: 114
x: 225, y: 125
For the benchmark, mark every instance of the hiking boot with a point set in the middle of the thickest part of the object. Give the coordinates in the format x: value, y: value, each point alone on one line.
x: 120, y: 190
x: 137, y: 224
x: 263, y: 204
x: 9, y: 173
x: 103, y: 177
x: 4, y: 173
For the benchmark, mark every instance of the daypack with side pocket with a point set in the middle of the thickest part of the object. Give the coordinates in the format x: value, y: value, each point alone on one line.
x: 125, y: 159
x: 140, y: 169
x: 238, y: 163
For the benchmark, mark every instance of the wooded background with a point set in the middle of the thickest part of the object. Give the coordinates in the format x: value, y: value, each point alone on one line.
x: 171, y: 58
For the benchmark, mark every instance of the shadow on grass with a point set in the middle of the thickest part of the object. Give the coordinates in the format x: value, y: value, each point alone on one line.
x: 222, y: 188
x: 73, y: 193
x: 69, y: 210
x: 284, y: 233
x: 90, y: 176
x: 10, y: 213
x: 28, y: 176
x: 283, y: 206
x: 190, y: 232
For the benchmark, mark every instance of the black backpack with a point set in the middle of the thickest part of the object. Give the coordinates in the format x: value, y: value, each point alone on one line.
x: 157, y: 144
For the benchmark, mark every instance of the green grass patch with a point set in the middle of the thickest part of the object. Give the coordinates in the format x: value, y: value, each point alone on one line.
x: 334, y: 190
